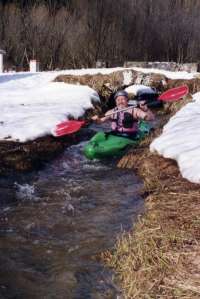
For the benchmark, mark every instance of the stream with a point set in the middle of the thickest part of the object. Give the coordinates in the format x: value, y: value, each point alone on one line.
x: 54, y: 223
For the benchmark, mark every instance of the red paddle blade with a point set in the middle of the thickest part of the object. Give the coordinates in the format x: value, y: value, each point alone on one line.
x: 67, y: 127
x: 174, y: 94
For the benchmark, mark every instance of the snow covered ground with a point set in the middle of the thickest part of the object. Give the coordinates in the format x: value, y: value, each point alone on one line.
x: 31, y: 105
x: 180, y: 140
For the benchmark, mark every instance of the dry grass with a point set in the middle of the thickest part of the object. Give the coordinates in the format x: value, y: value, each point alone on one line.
x: 160, y: 258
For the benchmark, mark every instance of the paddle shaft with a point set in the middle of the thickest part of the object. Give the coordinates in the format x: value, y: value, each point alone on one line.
x: 172, y: 94
x: 132, y: 106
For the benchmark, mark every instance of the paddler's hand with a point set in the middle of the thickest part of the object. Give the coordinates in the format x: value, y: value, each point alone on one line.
x: 96, y: 118
x: 99, y: 120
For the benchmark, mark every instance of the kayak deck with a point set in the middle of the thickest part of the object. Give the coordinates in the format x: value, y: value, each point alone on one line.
x: 103, y: 145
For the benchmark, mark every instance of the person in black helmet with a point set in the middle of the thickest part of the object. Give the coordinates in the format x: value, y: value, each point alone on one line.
x: 125, y: 123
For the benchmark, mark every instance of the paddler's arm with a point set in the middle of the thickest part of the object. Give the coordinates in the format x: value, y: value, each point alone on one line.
x: 143, y: 112
x: 100, y: 120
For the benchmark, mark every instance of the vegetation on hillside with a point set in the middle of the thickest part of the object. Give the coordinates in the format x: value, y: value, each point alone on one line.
x: 77, y: 33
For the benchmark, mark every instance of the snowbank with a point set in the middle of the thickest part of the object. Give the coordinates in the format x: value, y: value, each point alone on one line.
x: 168, y: 74
x: 180, y: 140
x: 31, y: 105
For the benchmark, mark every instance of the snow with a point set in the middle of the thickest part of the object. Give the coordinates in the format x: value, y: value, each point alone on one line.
x: 180, y: 140
x: 168, y: 74
x: 31, y: 104
x: 134, y: 89
x: 128, y: 77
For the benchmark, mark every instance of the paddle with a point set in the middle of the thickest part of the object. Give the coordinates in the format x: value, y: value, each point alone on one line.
x: 174, y: 94
x: 71, y: 126
x: 68, y: 127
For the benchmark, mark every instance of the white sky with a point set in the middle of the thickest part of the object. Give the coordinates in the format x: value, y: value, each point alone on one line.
x: 31, y: 106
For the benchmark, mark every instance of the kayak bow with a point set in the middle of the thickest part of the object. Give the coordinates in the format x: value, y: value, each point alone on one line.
x: 103, y: 145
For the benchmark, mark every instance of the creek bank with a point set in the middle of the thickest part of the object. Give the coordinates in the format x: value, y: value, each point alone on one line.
x: 15, y: 156
x: 31, y: 155
x: 106, y: 85
x: 159, y: 258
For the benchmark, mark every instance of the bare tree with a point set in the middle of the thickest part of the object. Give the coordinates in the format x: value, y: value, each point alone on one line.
x: 76, y: 33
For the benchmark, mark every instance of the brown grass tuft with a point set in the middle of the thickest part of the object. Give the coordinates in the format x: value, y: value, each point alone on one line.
x: 160, y: 258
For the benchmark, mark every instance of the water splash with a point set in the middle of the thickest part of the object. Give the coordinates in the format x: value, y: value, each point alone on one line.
x: 66, y: 214
x: 25, y: 192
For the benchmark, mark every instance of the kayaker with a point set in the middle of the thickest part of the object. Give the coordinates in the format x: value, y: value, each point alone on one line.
x: 125, y: 123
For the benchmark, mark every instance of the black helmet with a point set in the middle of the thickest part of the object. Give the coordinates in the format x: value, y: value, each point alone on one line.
x: 121, y: 93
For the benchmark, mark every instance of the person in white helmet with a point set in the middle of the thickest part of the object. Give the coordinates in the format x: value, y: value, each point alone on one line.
x: 125, y: 123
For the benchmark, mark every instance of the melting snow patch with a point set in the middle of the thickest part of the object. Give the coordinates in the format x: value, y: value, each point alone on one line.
x: 128, y: 77
x: 180, y: 140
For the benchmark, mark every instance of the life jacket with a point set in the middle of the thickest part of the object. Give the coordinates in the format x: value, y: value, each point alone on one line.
x: 124, y: 122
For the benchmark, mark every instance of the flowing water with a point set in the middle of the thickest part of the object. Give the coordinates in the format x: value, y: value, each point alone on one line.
x: 54, y: 223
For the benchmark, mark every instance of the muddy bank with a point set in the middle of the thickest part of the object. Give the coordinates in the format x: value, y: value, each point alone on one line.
x: 160, y: 257
x: 22, y: 157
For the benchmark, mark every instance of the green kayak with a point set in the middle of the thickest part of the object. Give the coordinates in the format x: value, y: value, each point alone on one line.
x: 103, y: 145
